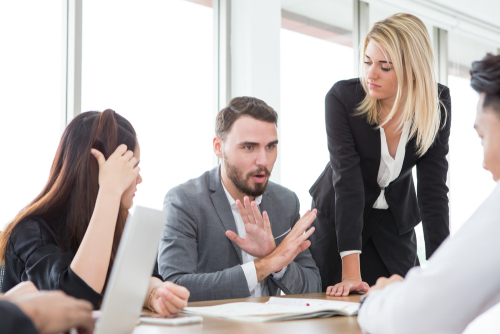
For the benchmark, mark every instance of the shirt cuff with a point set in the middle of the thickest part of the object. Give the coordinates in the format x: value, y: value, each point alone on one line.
x: 250, y: 274
x: 277, y: 276
x: 345, y: 253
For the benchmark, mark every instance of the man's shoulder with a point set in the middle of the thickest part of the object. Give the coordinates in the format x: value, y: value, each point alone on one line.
x: 282, y: 205
x: 193, y: 188
x: 280, y: 193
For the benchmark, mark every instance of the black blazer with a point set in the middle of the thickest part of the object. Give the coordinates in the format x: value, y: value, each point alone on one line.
x: 33, y: 254
x: 347, y: 189
x: 13, y: 320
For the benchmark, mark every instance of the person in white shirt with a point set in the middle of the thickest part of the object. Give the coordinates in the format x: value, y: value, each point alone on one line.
x: 462, y: 278
x: 395, y: 117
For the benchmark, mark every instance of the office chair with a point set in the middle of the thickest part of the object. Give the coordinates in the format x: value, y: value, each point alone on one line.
x: 2, y: 271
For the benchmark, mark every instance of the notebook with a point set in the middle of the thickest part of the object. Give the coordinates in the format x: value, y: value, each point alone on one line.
x: 278, y: 309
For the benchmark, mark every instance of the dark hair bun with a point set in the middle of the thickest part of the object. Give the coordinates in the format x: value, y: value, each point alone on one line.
x: 485, y: 75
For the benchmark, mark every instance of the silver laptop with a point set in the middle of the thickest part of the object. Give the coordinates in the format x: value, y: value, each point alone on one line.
x: 132, y: 269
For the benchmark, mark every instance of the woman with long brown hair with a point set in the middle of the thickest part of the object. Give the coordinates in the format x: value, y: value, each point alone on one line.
x: 67, y: 238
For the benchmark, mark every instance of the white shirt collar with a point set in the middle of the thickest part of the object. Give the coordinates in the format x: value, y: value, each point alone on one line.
x: 231, y: 200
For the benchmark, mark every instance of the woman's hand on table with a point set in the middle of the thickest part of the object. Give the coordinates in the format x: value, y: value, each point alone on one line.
x: 169, y: 298
x: 349, y: 284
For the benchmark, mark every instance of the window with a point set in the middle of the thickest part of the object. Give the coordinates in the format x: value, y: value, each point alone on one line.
x: 31, y: 100
x: 152, y: 63
x: 381, y: 11
x: 316, y: 52
x: 465, y: 196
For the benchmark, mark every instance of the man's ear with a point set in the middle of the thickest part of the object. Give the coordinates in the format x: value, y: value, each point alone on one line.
x: 217, y: 143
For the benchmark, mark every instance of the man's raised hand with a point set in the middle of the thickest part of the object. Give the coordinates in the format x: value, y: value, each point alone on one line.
x: 259, y: 240
x: 294, y: 243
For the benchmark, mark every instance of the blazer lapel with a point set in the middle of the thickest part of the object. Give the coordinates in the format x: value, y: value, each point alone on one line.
x: 372, y: 140
x: 265, y: 205
x: 411, y: 157
x: 223, y: 209
x: 367, y: 138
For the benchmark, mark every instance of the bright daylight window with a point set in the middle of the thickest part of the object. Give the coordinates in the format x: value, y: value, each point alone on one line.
x: 316, y: 52
x: 152, y: 63
x: 465, y: 196
x: 31, y: 98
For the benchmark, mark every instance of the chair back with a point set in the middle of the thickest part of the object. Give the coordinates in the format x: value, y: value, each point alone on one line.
x: 2, y: 271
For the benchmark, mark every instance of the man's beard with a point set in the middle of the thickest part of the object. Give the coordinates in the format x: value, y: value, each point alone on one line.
x: 241, y: 182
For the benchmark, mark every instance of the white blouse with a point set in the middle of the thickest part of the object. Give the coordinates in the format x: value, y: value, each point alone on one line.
x: 389, y: 170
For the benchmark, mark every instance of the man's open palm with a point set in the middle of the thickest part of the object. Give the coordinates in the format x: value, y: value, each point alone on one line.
x: 259, y: 240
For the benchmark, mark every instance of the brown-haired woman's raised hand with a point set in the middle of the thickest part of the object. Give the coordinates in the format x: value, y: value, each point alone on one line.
x: 119, y: 171
x: 116, y: 174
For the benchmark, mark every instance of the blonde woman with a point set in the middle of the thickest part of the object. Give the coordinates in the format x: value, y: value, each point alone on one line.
x: 380, y: 126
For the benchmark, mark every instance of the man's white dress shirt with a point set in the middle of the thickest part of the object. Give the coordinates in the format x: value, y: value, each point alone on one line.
x: 248, y: 265
x: 460, y: 281
x: 388, y: 171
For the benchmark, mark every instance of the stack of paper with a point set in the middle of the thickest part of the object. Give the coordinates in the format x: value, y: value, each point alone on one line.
x: 277, y: 309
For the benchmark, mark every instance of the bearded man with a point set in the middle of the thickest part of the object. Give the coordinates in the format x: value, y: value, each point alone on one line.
x: 232, y: 233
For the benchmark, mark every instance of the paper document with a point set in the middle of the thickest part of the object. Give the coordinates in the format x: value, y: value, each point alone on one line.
x: 277, y: 309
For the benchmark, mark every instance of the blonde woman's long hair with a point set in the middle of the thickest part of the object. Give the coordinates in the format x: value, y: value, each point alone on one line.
x: 405, y: 39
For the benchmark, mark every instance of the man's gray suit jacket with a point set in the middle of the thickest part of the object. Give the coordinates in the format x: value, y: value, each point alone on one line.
x: 195, y: 252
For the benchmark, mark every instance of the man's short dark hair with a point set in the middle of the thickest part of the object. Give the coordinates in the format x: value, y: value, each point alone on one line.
x: 240, y: 106
x: 485, y: 78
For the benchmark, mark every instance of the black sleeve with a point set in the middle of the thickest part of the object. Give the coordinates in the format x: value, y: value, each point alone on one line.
x: 156, y: 272
x: 13, y: 320
x: 347, y: 178
x: 35, y: 256
x: 432, y: 191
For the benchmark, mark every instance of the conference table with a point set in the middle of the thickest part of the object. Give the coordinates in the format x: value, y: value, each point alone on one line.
x: 337, y: 324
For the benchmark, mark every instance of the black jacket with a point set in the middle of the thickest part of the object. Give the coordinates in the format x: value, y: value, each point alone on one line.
x: 347, y: 189
x: 14, y: 321
x: 33, y: 255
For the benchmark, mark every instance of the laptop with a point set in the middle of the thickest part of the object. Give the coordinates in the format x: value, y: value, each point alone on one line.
x: 131, y: 272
